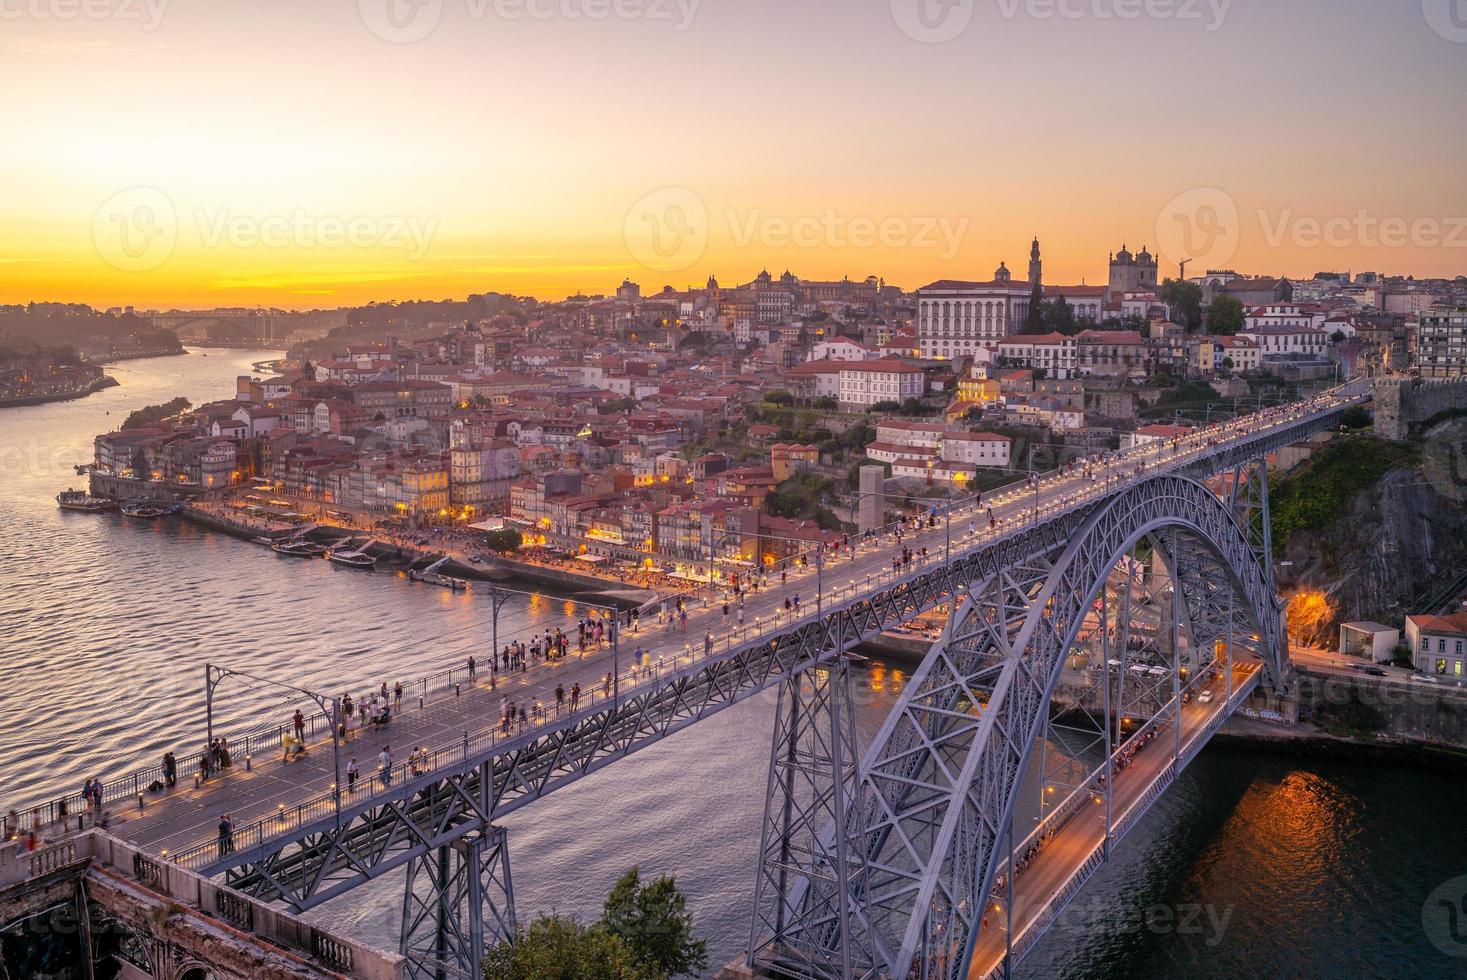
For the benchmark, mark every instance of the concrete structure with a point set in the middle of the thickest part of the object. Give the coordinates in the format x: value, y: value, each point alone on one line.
x: 1371, y: 641
x: 873, y: 498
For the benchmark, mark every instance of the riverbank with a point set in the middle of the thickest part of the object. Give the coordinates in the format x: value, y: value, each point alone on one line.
x: 91, y: 388
x: 136, y: 356
x: 1304, y: 740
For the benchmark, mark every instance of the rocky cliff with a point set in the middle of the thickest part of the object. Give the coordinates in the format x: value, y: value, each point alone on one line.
x: 1380, y: 527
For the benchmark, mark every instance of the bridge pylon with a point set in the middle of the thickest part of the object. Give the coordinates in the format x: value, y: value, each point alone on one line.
x: 458, y: 898
x: 806, y: 920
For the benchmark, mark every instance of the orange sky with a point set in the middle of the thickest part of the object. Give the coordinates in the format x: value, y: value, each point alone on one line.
x: 169, y: 154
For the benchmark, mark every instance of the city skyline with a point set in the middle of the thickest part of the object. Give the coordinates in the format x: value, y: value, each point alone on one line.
x: 343, y: 161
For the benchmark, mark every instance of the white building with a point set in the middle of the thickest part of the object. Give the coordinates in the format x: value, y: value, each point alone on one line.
x: 1439, y: 644
x: 1273, y: 341
x: 841, y: 349
x: 1054, y: 353
x: 955, y: 318
x: 977, y: 449
x: 1285, y: 315
x: 1242, y: 351
x: 1441, y: 344
x: 862, y: 384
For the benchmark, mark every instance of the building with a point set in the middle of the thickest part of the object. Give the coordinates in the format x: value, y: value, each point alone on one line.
x: 1274, y: 341
x: 1236, y: 354
x: 1439, y: 644
x: 1371, y: 641
x: 1441, y: 344
x: 956, y: 318
x: 1132, y: 273
x: 1110, y: 353
x: 862, y: 384
x: 1053, y: 353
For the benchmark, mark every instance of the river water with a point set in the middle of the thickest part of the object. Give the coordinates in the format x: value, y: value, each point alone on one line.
x: 1252, y: 865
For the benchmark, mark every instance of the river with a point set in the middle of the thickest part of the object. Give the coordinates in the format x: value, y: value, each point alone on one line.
x: 1252, y: 864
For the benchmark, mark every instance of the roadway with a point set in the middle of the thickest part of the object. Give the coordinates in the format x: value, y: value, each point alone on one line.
x: 1076, y: 840
x: 189, y: 815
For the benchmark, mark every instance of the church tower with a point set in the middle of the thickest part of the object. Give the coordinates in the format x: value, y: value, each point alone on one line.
x: 1036, y: 265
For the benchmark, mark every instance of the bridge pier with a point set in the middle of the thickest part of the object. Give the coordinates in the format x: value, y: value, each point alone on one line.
x: 451, y: 893
x: 804, y: 899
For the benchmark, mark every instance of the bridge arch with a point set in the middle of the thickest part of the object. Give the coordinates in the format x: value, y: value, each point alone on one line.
x: 939, y: 787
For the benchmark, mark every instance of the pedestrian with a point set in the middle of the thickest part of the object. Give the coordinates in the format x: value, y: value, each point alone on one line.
x: 397, y: 696
x: 471, y: 667
x: 559, y: 697
x: 299, y: 721
x: 682, y: 619
x: 741, y: 614
x: 226, y: 834
x: 170, y: 770
x: 384, y: 759
x: 575, y: 695
x: 725, y: 612
x: 707, y: 643
x: 351, y: 775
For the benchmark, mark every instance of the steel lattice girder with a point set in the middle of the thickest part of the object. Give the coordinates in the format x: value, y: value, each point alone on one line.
x: 309, y: 865
x: 940, y: 781
x: 465, y: 885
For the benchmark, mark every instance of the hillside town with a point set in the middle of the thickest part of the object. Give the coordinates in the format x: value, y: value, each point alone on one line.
x: 711, y: 429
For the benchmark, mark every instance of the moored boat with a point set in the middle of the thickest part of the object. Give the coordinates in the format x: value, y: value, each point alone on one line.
x: 81, y: 500
x: 359, y: 558
x: 299, y: 549
x: 146, y: 509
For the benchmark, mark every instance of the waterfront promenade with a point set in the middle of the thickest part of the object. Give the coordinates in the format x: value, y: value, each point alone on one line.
x: 457, y: 719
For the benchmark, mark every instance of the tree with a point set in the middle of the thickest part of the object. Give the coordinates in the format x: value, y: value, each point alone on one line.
x: 1059, y: 316
x: 1034, y: 322
x: 503, y: 540
x: 558, y: 948
x: 654, y: 923
x: 1185, y: 299
x: 1337, y: 337
x: 1355, y: 417
x: 1225, y: 316
x: 779, y: 397
x: 885, y: 406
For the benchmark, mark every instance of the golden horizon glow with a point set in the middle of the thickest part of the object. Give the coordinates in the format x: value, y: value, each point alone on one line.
x: 306, y: 162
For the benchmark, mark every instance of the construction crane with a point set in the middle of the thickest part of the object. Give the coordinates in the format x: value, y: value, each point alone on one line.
x: 1182, y: 270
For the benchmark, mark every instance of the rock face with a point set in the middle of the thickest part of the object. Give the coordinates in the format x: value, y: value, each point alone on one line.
x: 1398, y: 544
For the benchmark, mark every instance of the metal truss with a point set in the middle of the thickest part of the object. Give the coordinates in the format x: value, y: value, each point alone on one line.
x: 812, y: 786
x: 939, y: 784
x: 307, y: 866
x: 452, y: 892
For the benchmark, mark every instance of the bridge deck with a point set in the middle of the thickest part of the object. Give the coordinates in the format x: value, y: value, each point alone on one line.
x: 1071, y: 854
x: 187, y: 815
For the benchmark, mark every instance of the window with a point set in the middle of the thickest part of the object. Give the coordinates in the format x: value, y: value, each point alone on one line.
x: 1441, y: 665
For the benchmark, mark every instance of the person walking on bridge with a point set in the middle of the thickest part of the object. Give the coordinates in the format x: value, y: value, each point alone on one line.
x: 351, y: 775
x: 170, y: 770
x: 397, y: 696
x: 385, y: 761
x: 299, y: 721
x: 226, y: 835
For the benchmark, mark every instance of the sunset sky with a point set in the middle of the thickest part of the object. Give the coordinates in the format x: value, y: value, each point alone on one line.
x: 193, y: 153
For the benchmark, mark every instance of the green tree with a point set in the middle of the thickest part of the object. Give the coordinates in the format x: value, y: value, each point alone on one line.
x: 558, y: 948
x: 653, y: 921
x: 1034, y: 321
x: 1185, y: 299
x: 504, y: 540
x: 1059, y: 316
x: 1225, y: 316
x: 779, y: 397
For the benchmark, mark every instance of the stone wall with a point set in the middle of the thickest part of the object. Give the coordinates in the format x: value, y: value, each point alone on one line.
x: 1414, y: 710
x: 1402, y: 404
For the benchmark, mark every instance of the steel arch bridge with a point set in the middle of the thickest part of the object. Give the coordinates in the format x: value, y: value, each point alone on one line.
x: 903, y: 889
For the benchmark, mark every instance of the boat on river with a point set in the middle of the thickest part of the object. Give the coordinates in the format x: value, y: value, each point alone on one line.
x: 147, y: 509
x: 358, y: 558
x: 432, y: 576
x: 299, y: 548
x: 81, y: 500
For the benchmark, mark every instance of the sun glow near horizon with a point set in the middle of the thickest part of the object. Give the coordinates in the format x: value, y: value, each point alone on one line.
x: 310, y: 162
